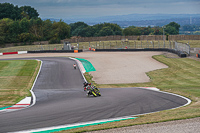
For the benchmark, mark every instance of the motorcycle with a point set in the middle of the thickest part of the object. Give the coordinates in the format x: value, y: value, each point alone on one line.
x: 91, y: 90
x: 74, y: 66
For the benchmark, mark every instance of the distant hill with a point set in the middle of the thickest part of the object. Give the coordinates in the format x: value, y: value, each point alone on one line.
x: 161, y: 22
x: 140, y: 19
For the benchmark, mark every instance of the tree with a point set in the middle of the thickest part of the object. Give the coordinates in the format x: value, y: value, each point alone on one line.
x: 77, y: 27
x: 8, y: 10
x: 36, y: 28
x: 157, y: 31
x: 60, y: 31
x: 24, y: 25
x: 29, y: 12
x: 132, y: 30
x: 14, y: 31
x: 172, y: 28
x: 5, y: 24
x: 106, y: 31
x: 47, y: 30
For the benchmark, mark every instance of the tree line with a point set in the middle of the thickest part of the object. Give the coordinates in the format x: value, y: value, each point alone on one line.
x: 23, y: 25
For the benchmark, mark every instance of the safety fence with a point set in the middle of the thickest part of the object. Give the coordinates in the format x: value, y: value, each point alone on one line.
x: 131, y: 44
x: 182, y: 47
x: 122, y: 44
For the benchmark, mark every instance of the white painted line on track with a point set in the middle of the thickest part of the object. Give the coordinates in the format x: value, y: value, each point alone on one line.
x: 33, y: 95
x: 81, y: 68
x: 150, y: 88
x: 76, y: 124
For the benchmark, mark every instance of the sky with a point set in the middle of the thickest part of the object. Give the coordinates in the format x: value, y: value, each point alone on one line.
x: 62, y: 9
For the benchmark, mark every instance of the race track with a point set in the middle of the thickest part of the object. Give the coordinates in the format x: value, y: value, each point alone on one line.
x: 60, y: 100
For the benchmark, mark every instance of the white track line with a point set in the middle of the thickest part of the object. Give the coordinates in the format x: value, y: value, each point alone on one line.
x: 33, y: 95
x: 81, y: 68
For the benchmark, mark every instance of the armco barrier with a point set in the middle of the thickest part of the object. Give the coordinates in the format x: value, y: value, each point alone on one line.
x: 54, y: 51
x: 179, y: 53
x: 11, y: 53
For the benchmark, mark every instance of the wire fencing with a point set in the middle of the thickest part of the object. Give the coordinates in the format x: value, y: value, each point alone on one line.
x: 182, y: 47
x: 123, y: 44
x: 131, y: 44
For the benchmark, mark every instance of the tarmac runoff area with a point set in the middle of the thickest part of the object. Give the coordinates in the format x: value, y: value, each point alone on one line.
x: 112, y: 67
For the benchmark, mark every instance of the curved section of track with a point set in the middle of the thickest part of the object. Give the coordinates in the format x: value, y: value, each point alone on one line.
x: 60, y: 100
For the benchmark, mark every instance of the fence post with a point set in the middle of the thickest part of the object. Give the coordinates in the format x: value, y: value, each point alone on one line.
x: 141, y: 44
x: 153, y: 44
x: 164, y: 44
x: 103, y: 45
x: 96, y: 45
x: 110, y: 44
x: 135, y: 44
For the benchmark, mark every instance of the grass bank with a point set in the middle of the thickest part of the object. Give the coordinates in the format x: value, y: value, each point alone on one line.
x: 16, y: 79
x: 182, y: 77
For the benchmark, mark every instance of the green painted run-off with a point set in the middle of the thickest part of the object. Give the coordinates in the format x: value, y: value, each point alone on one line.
x: 83, y: 125
x: 2, y: 108
x: 87, y: 65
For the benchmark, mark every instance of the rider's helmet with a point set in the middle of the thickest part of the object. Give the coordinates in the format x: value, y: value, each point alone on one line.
x: 85, y: 83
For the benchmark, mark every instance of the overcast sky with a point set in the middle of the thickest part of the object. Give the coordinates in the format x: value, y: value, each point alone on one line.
x: 62, y: 9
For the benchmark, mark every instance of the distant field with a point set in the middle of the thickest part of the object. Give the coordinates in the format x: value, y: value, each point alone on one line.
x: 102, y: 44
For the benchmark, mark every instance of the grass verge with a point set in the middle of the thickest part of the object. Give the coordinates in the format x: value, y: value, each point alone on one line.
x: 16, y: 79
x: 182, y: 77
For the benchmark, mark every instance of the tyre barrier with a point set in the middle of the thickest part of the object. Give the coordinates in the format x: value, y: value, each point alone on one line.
x: 179, y: 53
x: 56, y: 51
x: 198, y: 55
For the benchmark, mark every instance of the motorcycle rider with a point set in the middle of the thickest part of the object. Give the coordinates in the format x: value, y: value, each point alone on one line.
x: 86, y: 86
x: 74, y: 66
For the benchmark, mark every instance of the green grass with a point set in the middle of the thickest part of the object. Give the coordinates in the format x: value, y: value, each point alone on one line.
x: 16, y: 79
x: 182, y: 77
x: 192, y: 43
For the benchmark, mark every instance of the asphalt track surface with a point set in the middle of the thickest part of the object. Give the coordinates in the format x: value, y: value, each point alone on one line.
x: 60, y: 100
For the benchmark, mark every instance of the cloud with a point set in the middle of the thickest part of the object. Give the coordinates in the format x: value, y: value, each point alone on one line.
x: 66, y: 8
